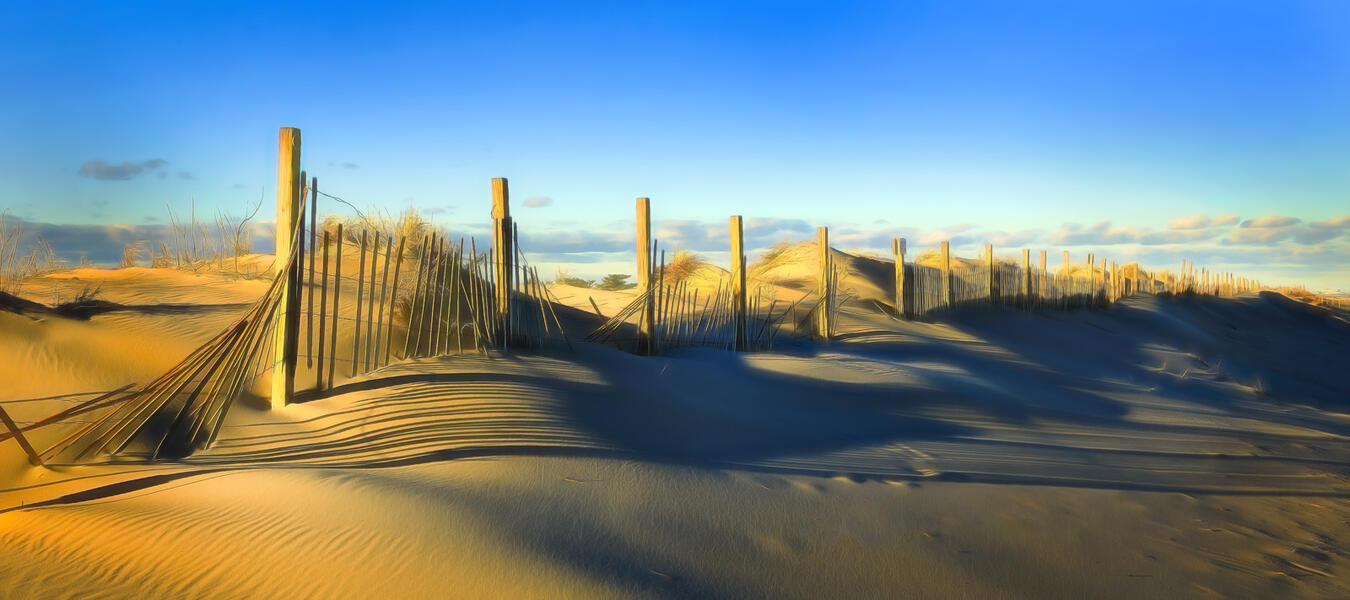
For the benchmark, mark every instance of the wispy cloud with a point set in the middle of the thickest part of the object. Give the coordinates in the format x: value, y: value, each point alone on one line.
x: 103, y: 171
x: 538, y: 201
x: 1273, y: 229
x: 1270, y: 222
x: 1337, y: 223
x: 1179, y: 231
x: 1195, y: 222
x: 103, y: 244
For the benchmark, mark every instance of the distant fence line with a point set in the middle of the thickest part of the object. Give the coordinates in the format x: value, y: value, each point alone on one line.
x: 458, y: 299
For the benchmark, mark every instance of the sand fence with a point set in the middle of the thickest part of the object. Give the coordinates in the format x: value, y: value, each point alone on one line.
x: 345, y: 302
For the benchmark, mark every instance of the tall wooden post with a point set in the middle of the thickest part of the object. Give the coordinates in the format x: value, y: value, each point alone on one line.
x: 990, y: 285
x: 286, y: 335
x: 1068, y: 287
x: 1026, y: 277
x: 1111, y: 291
x: 898, y: 249
x: 1041, y: 285
x: 501, y: 248
x: 947, y: 274
x: 738, y: 298
x: 825, y: 289
x: 644, y: 274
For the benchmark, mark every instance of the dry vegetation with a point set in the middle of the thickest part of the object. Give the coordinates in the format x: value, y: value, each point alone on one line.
x: 684, y: 264
x: 409, y: 225
x: 17, y: 265
x: 196, y: 245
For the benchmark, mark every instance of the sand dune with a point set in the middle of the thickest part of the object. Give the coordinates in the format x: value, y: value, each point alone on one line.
x: 1162, y: 448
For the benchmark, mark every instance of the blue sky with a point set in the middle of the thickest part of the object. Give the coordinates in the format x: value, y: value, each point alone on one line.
x: 1025, y: 123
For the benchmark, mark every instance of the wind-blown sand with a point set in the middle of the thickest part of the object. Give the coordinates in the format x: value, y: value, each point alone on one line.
x: 1163, y: 448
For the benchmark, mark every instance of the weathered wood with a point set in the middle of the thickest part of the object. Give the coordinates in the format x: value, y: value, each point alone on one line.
x: 337, y: 297
x: 424, y: 297
x: 898, y: 252
x: 102, y: 400
x: 438, y: 301
x: 501, y: 247
x: 356, y: 318
x: 451, y: 321
x: 647, y: 316
x: 415, y: 302
x: 309, y: 286
x: 288, y: 209
x: 657, y: 333
x: 738, y: 296
x: 1026, y: 277
x: 323, y: 313
x: 1041, y: 285
x: 384, y: 298
x: 990, y: 285
x: 457, y: 290
x: 367, y: 354
x: 14, y: 430
x: 824, y: 289
x: 393, y: 301
x: 1105, y: 280
x: 1068, y: 287
x: 947, y: 292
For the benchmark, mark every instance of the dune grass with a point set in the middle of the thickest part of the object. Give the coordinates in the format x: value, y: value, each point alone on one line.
x: 16, y: 265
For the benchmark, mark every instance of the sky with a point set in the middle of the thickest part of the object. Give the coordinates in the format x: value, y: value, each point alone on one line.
x: 1142, y: 131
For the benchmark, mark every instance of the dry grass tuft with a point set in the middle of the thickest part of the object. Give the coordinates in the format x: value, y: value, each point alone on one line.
x: 409, y: 224
x: 130, y: 254
x: 778, y: 255
x: 684, y: 264
x: 15, y: 266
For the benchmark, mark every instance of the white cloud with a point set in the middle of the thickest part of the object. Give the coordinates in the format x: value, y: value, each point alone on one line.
x: 1270, y: 221
x: 1196, y: 222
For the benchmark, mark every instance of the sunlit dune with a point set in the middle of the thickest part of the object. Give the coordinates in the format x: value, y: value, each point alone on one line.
x: 1159, y: 447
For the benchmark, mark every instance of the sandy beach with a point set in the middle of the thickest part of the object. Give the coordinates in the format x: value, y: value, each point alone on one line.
x: 1162, y: 447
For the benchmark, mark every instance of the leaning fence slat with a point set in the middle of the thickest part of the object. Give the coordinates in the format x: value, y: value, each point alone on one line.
x: 18, y: 436
x: 367, y: 354
x: 337, y: 297
x: 323, y: 312
x: 309, y: 287
x: 393, y: 300
x: 356, y: 318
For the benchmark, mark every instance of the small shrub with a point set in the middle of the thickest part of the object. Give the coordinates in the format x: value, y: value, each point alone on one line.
x: 566, y: 278
x: 615, y: 282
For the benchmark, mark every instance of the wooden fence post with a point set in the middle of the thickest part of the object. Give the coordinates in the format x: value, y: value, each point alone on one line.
x: 1066, y: 291
x: 501, y: 247
x: 1041, y: 285
x: 286, y: 336
x: 1106, y: 282
x: 825, y: 291
x: 990, y: 285
x: 644, y: 274
x: 360, y: 296
x: 738, y: 295
x: 1026, y: 277
x: 947, y: 291
x: 309, y: 286
x: 898, y: 249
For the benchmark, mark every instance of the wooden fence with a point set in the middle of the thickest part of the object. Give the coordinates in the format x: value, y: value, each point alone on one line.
x: 345, y: 302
